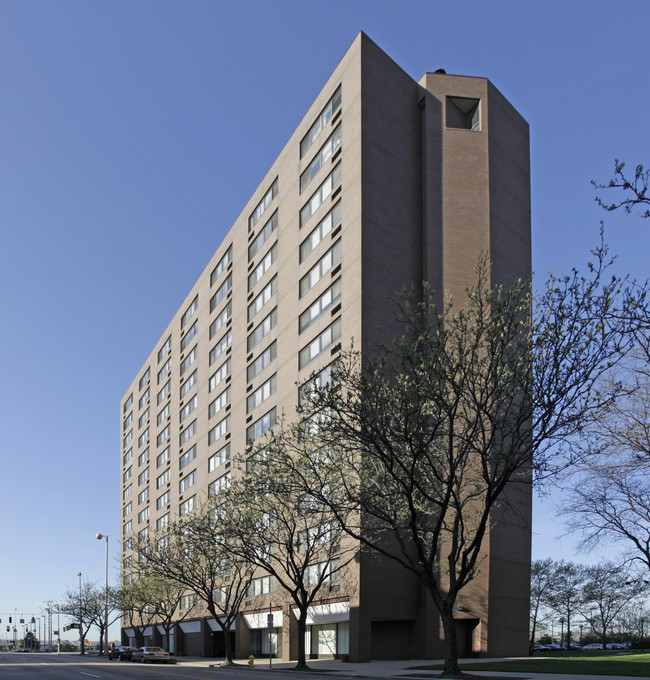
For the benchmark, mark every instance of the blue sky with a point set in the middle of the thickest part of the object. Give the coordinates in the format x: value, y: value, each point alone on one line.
x: 131, y: 136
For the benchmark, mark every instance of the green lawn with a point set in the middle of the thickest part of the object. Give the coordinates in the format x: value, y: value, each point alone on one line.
x: 636, y: 665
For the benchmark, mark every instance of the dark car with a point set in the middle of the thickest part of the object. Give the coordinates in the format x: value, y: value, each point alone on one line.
x: 151, y: 655
x: 122, y: 652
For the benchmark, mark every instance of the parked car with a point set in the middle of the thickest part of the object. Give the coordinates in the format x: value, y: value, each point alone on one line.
x: 542, y: 648
x: 594, y: 645
x: 151, y: 655
x: 121, y: 653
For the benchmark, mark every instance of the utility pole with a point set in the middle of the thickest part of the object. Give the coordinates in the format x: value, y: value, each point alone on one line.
x: 81, y: 623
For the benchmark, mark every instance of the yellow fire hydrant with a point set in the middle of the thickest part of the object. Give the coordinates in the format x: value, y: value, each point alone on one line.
x: 251, y: 660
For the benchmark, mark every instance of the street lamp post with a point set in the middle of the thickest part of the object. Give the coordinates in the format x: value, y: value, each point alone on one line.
x: 81, y: 623
x: 99, y: 538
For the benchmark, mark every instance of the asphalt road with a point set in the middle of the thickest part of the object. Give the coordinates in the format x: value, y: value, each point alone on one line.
x: 21, y: 666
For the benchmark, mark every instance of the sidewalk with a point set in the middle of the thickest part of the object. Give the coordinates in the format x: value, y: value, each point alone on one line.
x: 385, y: 669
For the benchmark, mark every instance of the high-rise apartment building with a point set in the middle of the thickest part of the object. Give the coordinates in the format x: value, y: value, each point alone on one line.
x: 385, y: 182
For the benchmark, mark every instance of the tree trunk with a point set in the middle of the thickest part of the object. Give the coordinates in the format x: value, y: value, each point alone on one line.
x: 301, y: 665
x: 451, y: 669
x: 226, y: 643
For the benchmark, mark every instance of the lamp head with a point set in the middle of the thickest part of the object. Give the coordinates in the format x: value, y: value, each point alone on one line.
x: 99, y: 536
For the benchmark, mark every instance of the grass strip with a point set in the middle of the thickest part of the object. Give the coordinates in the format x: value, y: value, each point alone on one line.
x: 631, y: 665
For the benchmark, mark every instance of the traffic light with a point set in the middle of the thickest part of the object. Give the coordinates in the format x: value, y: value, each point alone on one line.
x: 8, y: 628
x: 10, y: 619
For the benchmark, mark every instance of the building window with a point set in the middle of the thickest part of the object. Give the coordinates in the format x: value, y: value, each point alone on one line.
x: 189, y: 360
x: 267, y: 293
x: 263, y: 205
x: 186, y: 506
x: 263, y: 236
x: 188, y: 601
x: 188, y: 408
x: 220, y: 294
x: 164, y: 392
x: 463, y: 113
x: 220, y: 595
x: 127, y: 509
x: 330, y: 146
x: 261, y: 426
x: 261, y: 394
x: 219, y: 375
x: 319, y: 344
x: 163, y: 500
x: 164, y: 350
x: 322, y: 120
x: 128, y: 543
x: 331, y: 258
x: 127, y: 456
x: 127, y: 474
x: 127, y: 403
x: 162, y: 457
x: 143, y: 457
x: 163, y: 415
x: 187, y: 457
x: 262, y: 361
x: 189, y: 312
x: 263, y: 329
x: 127, y: 492
x: 143, y: 438
x: 219, y: 458
x: 221, y: 266
x: 327, y: 571
x: 163, y: 372
x: 127, y: 421
x: 143, y: 535
x: 144, y: 399
x: 162, y: 522
x: 163, y: 479
x: 144, y: 379
x: 144, y: 418
x: 143, y: 496
x: 143, y: 515
x: 219, y: 403
x: 128, y: 526
x: 220, y: 347
x: 324, y: 302
x: 323, y: 191
x: 163, y: 436
x: 127, y: 440
x: 219, y: 430
x: 187, y: 482
x: 187, y: 433
x: 188, y: 384
x: 263, y: 267
x: 187, y: 338
x: 320, y: 231
x: 143, y: 476
x: 219, y: 485
x: 224, y: 315
x: 261, y: 586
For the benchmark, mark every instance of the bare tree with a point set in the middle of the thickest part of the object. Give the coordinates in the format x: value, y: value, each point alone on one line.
x: 137, y: 607
x: 635, y: 189
x: 542, y: 579
x: 566, y: 598
x: 167, y: 606
x: 607, y: 590
x: 281, y: 528
x: 90, y: 605
x: 434, y: 429
x: 195, y: 553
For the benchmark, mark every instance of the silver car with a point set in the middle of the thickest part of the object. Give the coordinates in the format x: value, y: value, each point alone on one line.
x: 151, y: 655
